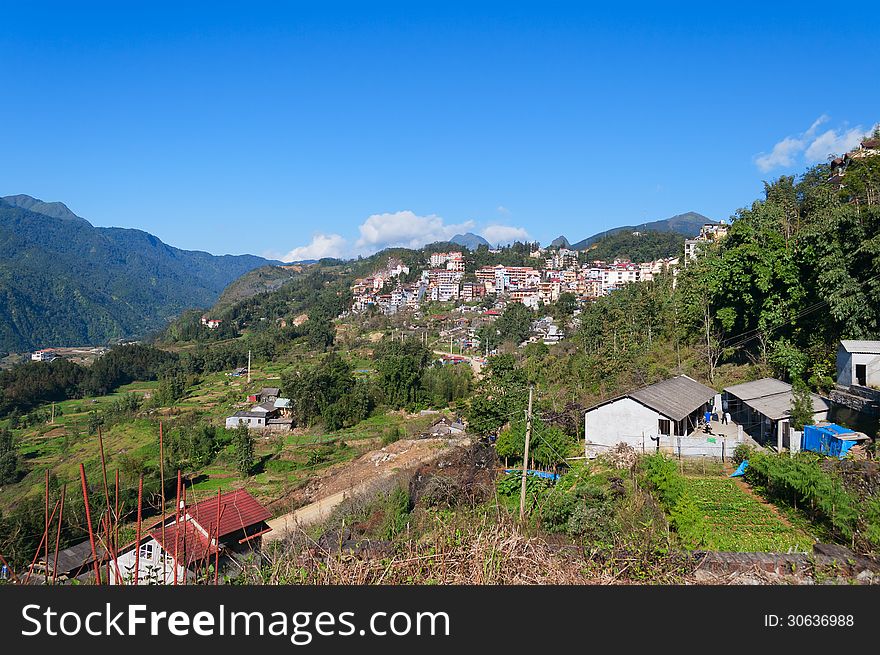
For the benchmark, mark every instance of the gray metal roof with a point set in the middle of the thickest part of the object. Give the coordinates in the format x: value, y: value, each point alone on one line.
x: 674, y: 398
x: 777, y: 406
x: 854, y: 346
x: 269, y: 391
x: 758, y: 388
x: 244, y: 414
x: 73, y: 558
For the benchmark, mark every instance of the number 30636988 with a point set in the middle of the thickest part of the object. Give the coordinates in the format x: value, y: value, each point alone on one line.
x: 809, y: 620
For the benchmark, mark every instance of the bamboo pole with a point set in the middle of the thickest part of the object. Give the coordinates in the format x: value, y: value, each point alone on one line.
x: 39, y: 548
x: 116, y: 532
x: 162, y: 482
x: 137, y: 539
x: 176, y: 527
x: 58, y: 536
x: 46, y: 515
x: 217, y: 543
x: 85, y: 491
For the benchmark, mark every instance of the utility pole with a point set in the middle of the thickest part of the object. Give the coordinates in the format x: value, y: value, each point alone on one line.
x: 249, y: 366
x: 53, y: 413
x: 522, y: 493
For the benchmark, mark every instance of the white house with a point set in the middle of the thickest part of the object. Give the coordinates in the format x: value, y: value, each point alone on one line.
x: 45, y: 355
x: 858, y: 363
x: 672, y: 407
x: 254, y: 420
x: 190, y: 542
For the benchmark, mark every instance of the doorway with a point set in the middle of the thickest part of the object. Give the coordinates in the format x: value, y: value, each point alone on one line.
x: 861, y: 375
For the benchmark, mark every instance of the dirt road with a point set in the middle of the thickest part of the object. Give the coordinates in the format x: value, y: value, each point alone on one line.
x: 359, y: 477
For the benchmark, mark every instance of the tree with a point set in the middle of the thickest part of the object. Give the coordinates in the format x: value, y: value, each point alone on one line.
x: 400, y: 366
x: 244, y: 450
x: 95, y: 421
x: 8, y: 458
x: 801, y: 406
x: 515, y: 323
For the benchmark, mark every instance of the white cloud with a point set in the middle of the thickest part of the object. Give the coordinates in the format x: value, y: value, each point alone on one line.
x: 501, y: 209
x: 322, y: 245
x: 785, y: 151
x: 835, y: 143
x: 783, y: 154
x: 503, y: 234
x: 405, y: 229
x: 813, y: 148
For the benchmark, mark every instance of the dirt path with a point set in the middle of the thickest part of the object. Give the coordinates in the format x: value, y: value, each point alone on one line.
x: 358, y: 477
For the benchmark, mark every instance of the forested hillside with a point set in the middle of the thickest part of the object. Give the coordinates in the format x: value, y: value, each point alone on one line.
x: 687, y: 224
x: 65, y: 282
x: 637, y: 246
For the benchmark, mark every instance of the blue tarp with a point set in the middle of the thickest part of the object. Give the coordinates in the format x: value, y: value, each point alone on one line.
x: 741, y: 470
x: 826, y: 439
x: 537, y: 474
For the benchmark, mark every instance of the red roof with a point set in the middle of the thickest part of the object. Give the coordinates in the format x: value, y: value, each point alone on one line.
x: 238, y: 510
x: 191, y: 543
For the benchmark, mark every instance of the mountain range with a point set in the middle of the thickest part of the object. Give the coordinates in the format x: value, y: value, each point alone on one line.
x: 687, y: 224
x: 66, y: 282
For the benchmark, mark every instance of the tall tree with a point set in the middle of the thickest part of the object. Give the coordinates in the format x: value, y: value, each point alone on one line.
x: 243, y: 443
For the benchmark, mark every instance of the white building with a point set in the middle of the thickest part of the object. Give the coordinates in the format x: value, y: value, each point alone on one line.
x: 858, y: 363
x: 254, y: 420
x: 672, y: 407
x: 45, y: 355
x: 190, y: 541
x: 763, y: 408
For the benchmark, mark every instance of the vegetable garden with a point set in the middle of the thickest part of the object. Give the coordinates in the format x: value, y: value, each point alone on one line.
x: 715, y: 513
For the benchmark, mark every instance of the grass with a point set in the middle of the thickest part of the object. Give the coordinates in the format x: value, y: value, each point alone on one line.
x: 740, y: 522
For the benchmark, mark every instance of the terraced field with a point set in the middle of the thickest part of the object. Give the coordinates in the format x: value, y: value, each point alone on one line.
x: 741, y: 522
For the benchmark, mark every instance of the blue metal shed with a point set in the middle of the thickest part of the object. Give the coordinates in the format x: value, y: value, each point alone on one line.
x: 831, y: 439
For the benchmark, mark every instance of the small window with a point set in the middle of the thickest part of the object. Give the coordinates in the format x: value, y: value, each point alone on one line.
x: 664, y: 426
x: 146, y: 550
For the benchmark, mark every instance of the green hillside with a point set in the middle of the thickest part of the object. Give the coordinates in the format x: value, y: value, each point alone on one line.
x: 66, y: 282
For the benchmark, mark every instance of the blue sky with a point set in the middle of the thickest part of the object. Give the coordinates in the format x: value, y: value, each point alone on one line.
x: 309, y: 129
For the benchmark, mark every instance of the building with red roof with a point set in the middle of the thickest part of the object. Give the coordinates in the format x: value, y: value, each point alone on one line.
x: 185, y: 546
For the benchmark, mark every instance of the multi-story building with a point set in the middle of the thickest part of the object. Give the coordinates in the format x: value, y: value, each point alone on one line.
x: 471, y: 291
x: 709, y: 233
x: 439, y: 259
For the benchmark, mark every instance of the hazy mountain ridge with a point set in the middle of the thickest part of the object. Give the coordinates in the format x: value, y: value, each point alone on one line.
x: 688, y: 224
x: 65, y: 282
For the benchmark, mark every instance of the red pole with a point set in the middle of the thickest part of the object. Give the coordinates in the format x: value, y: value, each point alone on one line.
x: 85, y: 490
x: 39, y: 548
x: 115, y: 535
x: 162, y: 481
x: 217, y: 543
x: 46, y: 552
x: 104, y: 471
x: 177, y: 526
x: 137, y: 539
x: 58, y: 536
